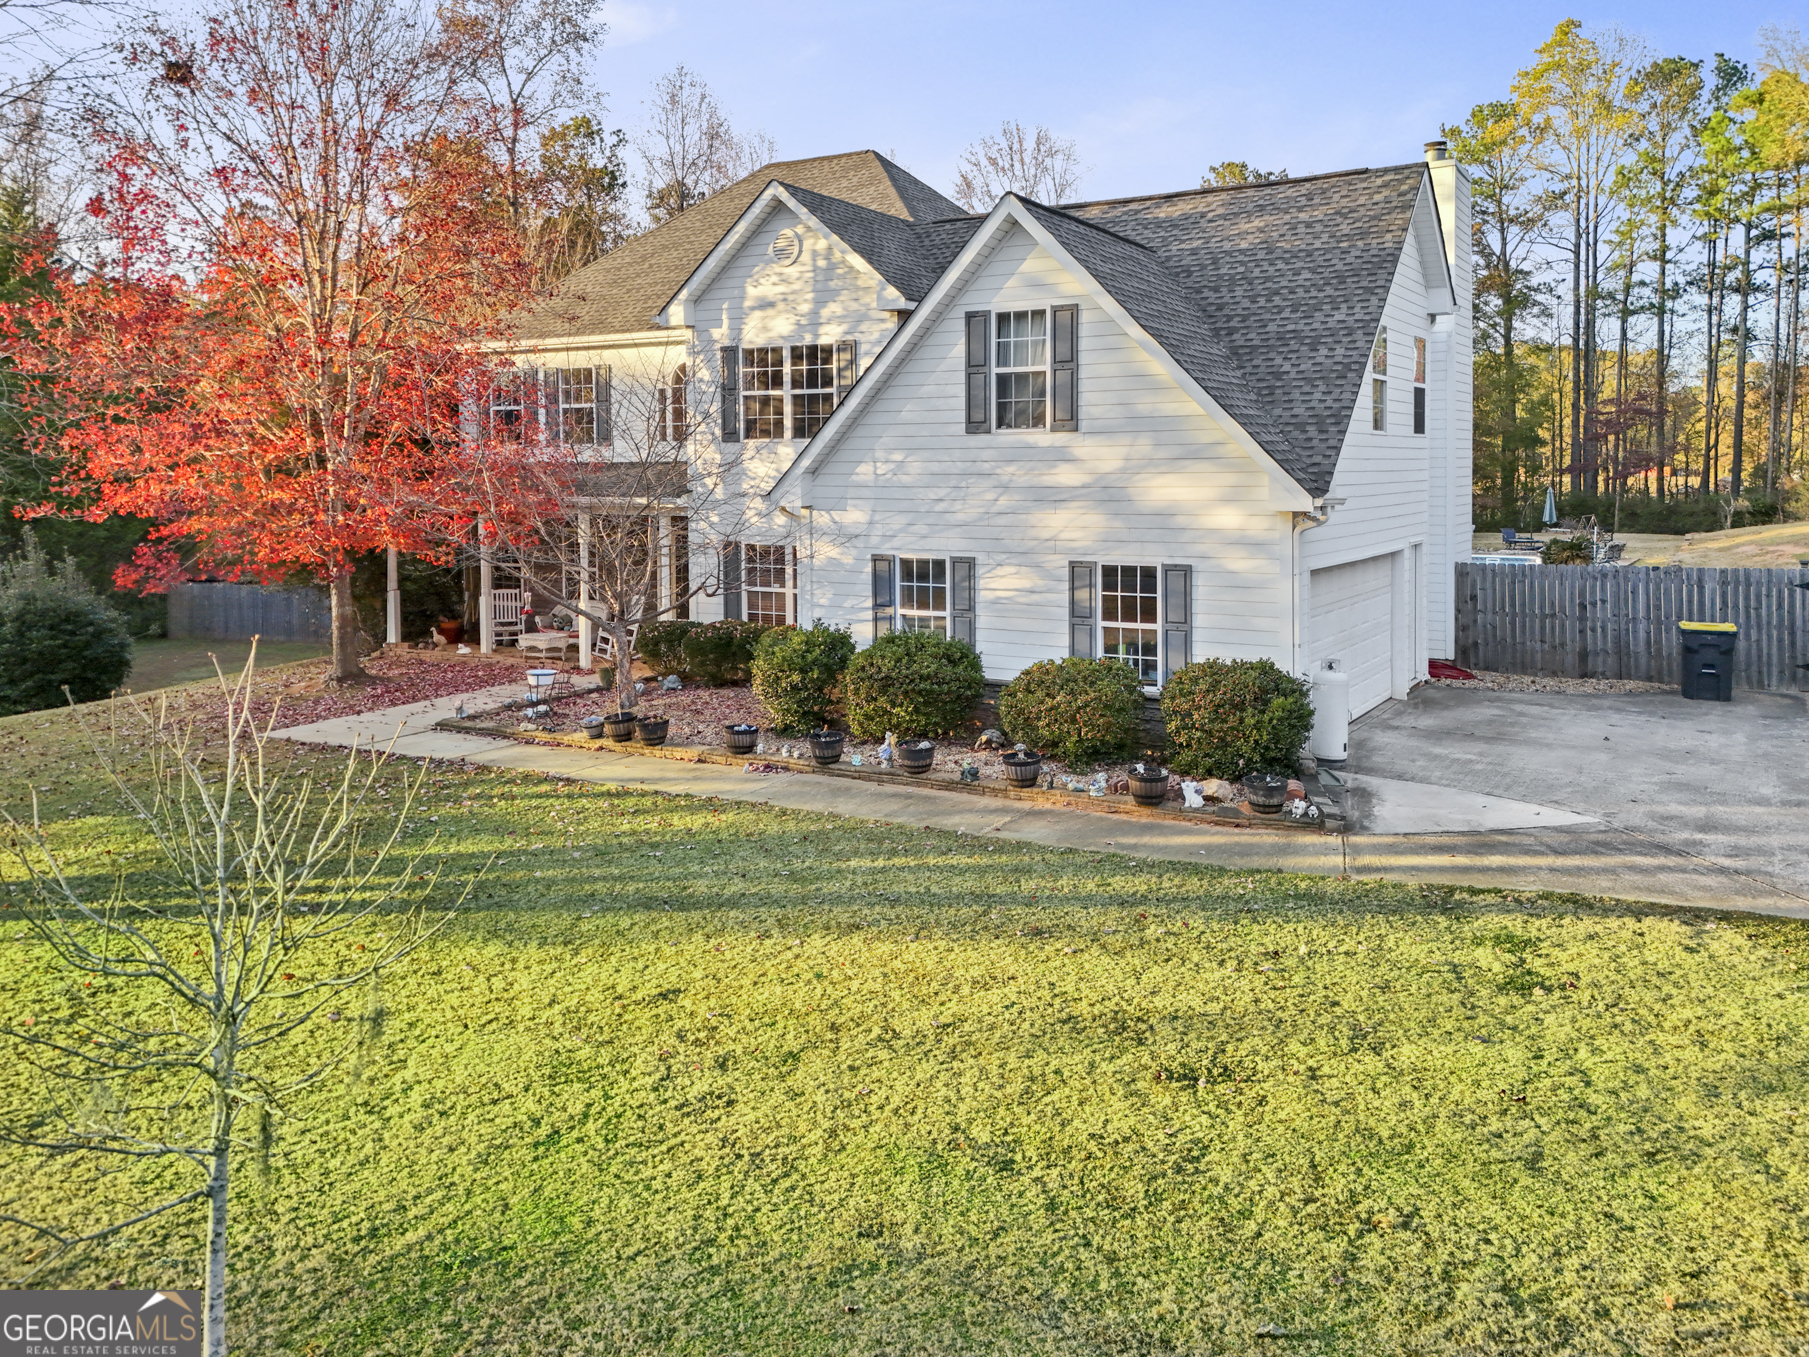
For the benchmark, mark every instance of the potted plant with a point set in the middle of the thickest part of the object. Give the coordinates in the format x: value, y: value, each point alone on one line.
x: 652, y: 729
x: 1023, y: 767
x: 1149, y: 784
x: 1265, y: 792
x: 619, y: 726
x: 592, y: 726
x: 742, y: 738
x: 917, y: 757
x: 826, y: 746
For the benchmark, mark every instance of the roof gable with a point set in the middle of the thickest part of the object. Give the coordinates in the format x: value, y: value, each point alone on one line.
x: 623, y: 291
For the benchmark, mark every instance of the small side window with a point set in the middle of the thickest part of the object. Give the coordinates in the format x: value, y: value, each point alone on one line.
x: 1378, y: 405
x: 1378, y: 357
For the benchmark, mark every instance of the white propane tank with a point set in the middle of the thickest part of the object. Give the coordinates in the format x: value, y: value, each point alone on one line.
x: 1330, y: 742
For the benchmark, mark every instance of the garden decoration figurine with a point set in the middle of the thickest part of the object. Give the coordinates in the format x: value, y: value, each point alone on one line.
x: 970, y: 771
x: 856, y: 761
x: 884, y: 754
x: 671, y: 683
x: 1193, y: 795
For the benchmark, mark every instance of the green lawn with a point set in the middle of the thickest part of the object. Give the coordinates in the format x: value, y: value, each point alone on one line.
x: 165, y: 663
x: 695, y: 1077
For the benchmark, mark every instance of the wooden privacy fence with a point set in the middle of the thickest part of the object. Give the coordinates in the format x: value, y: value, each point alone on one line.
x: 1620, y: 622
x: 237, y: 612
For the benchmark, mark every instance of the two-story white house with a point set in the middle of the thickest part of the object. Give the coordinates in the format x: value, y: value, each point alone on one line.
x: 1228, y: 422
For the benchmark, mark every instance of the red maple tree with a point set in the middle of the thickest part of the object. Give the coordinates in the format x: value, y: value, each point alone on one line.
x: 310, y: 270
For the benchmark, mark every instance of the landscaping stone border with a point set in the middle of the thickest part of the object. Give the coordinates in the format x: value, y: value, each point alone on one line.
x: 1219, y: 816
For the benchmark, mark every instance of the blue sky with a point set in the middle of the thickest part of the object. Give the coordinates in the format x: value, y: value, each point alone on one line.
x: 1153, y: 92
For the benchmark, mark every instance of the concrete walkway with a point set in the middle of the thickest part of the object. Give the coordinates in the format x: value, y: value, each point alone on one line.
x: 1478, y: 838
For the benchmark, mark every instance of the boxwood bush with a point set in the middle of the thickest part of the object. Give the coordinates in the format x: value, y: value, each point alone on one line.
x: 912, y: 683
x: 1077, y: 710
x: 662, y: 646
x: 1226, y: 718
x: 56, y: 631
x: 721, y: 652
x: 797, y: 673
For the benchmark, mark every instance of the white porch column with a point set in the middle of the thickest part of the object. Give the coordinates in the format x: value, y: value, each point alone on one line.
x: 486, y: 590
x: 587, y: 630
x: 395, y: 602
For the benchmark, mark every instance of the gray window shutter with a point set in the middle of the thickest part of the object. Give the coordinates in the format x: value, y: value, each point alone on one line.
x: 546, y: 387
x: 731, y: 581
x: 885, y: 596
x: 846, y: 369
x: 979, y: 370
x: 600, y: 394
x: 1082, y: 609
x: 961, y: 600
x: 1064, y: 375
x: 730, y: 358
x: 1177, y: 618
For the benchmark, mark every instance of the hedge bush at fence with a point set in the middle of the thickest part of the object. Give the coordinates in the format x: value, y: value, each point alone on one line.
x: 913, y: 684
x: 56, y: 630
x: 1078, y: 710
x: 721, y: 652
x: 797, y: 672
x: 1226, y: 718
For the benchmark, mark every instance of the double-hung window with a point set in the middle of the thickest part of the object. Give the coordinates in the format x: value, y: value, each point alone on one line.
x: 923, y: 594
x: 512, y: 407
x: 763, y: 391
x: 1021, y: 370
x: 1130, y: 618
x: 812, y: 387
x: 1419, y: 384
x: 1378, y: 388
x: 769, y: 584
x: 575, y: 399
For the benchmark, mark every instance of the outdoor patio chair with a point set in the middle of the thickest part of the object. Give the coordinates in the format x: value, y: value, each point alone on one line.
x: 1515, y: 542
x: 505, y: 612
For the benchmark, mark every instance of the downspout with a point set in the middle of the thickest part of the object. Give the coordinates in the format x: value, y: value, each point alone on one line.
x: 1305, y: 522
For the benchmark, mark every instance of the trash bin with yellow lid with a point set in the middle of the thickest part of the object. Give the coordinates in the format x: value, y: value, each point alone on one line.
x: 1708, y: 659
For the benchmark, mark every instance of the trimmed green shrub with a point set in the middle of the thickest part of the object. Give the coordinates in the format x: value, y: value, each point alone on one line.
x: 796, y: 673
x: 55, y: 630
x: 1230, y: 717
x: 721, y: 652
x: 912, y: 683
x: 662, y: 646
x: 1077, y: 710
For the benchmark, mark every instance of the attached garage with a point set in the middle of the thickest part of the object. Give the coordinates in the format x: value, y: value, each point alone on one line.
x: 1351, y: 616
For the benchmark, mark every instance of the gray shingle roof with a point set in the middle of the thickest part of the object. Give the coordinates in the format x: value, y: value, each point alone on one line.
x: 626, y: 288
x: 909, y: 255
x: 1291, y: 277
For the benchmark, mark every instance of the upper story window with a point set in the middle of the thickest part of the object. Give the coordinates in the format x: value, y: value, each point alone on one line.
x: 1378, y: 405
x: 1021, y: 370
x: 576, y: 404
x: 1419, y: 384
x: 1419, y: 358
x: 673, y: 418
x: 1378, y: 357
x: 790, y: 390
x: 511, y: 404
x: 557, y: 405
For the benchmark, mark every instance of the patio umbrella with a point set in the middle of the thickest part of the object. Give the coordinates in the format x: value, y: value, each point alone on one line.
x: 1551, y: 508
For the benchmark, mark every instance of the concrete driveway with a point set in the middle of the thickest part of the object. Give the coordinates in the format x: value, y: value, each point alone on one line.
x: 1647, y: 795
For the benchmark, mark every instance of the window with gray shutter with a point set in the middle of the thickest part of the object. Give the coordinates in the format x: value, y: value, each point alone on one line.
x: 961, y: 599
x: 885, y: 595
x: 731, y: 581
x: 1082, y: 610
x: 730, y: 360
x: 1177, y: 618
x: 846, y: 368
x: 600, y: 395
x: 979, y: 370
x: 1064, y: 369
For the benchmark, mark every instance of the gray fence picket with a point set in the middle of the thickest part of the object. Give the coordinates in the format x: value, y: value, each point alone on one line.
x: 237, y: 612
x: 1621, y: 621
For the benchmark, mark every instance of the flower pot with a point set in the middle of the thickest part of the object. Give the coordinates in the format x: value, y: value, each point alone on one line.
x: 619, y: 726
x: 826, y: 746
x: 742, y: 739
x: 1022, y: 770
x: 917, y: 757
x: 592, y: 726
x: 1265, y: 792
x: 1149, y: 788
x: 652, y: 729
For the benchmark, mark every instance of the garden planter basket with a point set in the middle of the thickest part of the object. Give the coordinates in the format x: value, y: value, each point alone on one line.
x: 592, y: 726
x: 1149, y: 788
x: 1266, y: 792
x: 652, y: 729
x: 917, y: 756
x: 742, y: 739
x: 826, y: 746
x: 1022, y: 770
x: 619, y: 726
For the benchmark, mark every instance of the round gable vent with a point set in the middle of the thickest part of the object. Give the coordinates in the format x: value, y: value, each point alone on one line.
x: 787, y: 246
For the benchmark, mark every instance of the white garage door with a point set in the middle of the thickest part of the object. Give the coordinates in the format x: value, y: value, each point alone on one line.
x: 1352, y: 615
